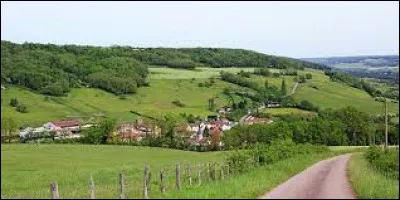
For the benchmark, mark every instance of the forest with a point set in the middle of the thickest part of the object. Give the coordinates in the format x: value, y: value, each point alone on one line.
x: 54, y: 69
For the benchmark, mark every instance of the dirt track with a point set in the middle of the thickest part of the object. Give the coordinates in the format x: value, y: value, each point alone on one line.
x: 326, y: 179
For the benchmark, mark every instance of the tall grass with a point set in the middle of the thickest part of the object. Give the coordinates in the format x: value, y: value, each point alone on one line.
x: 369, y: 183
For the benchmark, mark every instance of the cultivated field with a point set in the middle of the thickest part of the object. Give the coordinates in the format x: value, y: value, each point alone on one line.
x: 26, y: 170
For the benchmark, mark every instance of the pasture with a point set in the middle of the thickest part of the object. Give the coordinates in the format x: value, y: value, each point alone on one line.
x: 26, y: 170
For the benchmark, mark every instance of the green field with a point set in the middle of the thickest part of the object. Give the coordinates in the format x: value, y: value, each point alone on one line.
x: 87, y: 102
x: 167, y: 85
x: 26, y: 170
x: 370, y: 184
x: 336, y: 95
x: 288, y: 111
x: 169, y: 73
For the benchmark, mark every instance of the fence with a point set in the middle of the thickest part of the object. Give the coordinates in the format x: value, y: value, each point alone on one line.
x: 166, y: 178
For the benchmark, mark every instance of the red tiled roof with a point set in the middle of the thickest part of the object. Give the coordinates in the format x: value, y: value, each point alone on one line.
x: 216, y: 131
x: 68, y: 123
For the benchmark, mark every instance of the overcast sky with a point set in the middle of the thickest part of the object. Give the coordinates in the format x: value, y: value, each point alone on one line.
x: 293, y: 29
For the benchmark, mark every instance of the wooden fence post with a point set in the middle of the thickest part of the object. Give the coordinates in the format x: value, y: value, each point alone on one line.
x: 178, y: 176
x: 91, y: 193
x: 199, y: 175
x: 162, y: 180
x: 209, y: 172
x: 54, y: 190
x: 190, y: 174
x: 222, y: 172
x: 214, y: 171
x: 121, y: 182
x: 145, y: 182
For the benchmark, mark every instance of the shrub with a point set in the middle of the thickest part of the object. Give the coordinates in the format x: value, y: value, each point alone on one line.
x: 385, y: 161
x: 14, y: 102
x: 261, y: 154
x: 22, y: 108
x: 200, y: 84
x: 308, y: 76
x: 179, y: 103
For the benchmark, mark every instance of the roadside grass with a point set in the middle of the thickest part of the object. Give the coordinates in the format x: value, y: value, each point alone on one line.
x: 251, y: 184
x: 27, y: 170
x: 368, y: 183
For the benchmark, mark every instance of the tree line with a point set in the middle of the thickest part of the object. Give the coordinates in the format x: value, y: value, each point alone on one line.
x: 341, y: 127
x: 55, y: 69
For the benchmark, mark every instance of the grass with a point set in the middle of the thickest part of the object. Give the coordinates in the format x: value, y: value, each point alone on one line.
x: 85, y: 103
x: 26, y: 170
x: 252, y: 184
x: 198, y: 73
x: 336, y: 95
x: 168, y: 85
x: 288, y: 111
x: 369, y: 183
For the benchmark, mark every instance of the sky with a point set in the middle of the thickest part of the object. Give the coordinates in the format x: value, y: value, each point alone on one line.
x: 292, y: 29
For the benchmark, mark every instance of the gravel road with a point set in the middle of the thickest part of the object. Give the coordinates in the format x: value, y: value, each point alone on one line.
x: 326, y: 179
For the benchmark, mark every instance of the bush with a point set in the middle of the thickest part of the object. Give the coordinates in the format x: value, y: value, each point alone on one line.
x: 14, y: 102
x: 200, y: 84
x: 179, y: 103
x: 261, y: 154
x: 308, y: 76
x: 22, y: 108
x: 385, y: 161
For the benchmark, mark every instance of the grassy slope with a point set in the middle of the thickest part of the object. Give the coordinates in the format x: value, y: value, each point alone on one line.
x: 168, y: 85
x: 370, y: 184
x: 335, y: 95
x: 154, y: 101
x: 288, y: 111
x: 26, y: 170
x: 169, y: 73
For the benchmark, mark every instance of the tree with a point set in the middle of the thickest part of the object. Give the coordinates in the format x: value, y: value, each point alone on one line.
x: 283, y: 87
x: 14, y: 102
x: 99, y: 134
x: 308, y: 76
x: 9, y: 127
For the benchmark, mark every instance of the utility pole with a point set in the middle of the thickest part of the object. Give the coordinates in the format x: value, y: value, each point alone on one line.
x: 386, y: 125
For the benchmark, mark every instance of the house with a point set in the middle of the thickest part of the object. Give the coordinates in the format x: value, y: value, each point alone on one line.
x: 256, y: 120
x: 133, y: 128
x: 225, y: 110
x: 66, y: 125
x: 273, y: 105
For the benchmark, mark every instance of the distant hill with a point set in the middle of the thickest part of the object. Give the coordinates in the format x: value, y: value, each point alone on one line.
x: 380, y: 67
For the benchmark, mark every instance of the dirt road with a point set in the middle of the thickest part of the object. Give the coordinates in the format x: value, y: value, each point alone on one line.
x: 326, y: 179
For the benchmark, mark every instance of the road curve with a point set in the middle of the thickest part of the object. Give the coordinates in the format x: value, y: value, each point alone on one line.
x: 326, y: 179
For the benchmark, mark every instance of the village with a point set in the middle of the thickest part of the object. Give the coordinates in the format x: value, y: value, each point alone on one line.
x: 198, y: 134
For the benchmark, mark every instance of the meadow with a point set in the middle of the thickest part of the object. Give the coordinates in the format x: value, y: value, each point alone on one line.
x: 331, y: 94
x: 288, y: 111
x: 27, y: 170
x: 168, y: 85
x: 87, y: 103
